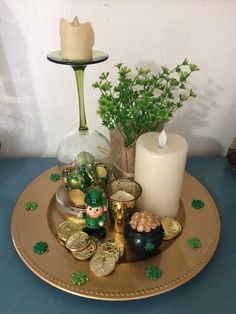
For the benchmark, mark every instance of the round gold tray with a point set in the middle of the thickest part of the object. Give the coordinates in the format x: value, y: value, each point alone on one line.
x: 178, y: 262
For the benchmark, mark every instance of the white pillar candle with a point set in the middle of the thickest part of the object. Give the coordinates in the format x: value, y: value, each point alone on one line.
x: 77, y: 40
x: 159, y: 169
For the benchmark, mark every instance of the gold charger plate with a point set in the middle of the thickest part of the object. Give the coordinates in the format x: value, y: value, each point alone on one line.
x: 178, y: 262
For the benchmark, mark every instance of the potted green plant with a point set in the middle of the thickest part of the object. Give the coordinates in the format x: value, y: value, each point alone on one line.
x: 140, y: 102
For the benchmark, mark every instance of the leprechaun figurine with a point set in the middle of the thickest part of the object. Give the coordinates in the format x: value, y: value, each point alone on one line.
x: 95, y: 217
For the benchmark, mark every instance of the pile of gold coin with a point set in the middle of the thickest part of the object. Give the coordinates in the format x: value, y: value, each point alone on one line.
x: 81, y: 245
x: 144, y: 221
x: 105, y: 259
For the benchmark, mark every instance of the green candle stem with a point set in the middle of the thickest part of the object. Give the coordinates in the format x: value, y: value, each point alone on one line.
x: 79, y: 74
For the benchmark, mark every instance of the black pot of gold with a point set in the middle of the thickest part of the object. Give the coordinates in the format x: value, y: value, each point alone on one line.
x: 144, y: 234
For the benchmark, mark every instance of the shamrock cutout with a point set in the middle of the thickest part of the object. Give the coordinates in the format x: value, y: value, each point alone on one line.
x: 154, y: 272
x: 55, y: 177
x: 40, y: 247
x: 149, y: 246
x: 197, y: 204
x: 79, y: 278
x: 30, y: 206
x: 194, y: 243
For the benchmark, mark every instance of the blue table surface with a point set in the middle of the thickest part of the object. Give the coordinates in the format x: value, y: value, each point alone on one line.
x: 212, y: 291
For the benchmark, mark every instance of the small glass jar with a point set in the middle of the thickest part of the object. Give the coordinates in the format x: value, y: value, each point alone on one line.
x: 123, y: 195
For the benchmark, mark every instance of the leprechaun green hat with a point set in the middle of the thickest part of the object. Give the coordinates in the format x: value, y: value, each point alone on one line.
x: 94, y: 197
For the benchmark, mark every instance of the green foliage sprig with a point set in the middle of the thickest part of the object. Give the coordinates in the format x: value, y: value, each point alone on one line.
x: 142, y: 103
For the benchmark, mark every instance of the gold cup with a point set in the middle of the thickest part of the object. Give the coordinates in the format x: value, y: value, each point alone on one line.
x: 123, y: 195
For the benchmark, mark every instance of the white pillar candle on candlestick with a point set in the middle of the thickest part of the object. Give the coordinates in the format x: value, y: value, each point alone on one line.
x: 77, y: 40
x: 159, y: 169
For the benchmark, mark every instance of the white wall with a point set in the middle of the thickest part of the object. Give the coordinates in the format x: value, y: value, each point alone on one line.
x: 38, y: 100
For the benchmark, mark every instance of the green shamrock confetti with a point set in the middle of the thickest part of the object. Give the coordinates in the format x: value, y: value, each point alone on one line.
x: 55, y: 177
x: 197, y: 204
x: 30, y: 206
x: 40, y: 247
x: 149, y: 246
x: 154, y: 272
x: 79, y: 278
x: 194, y: 243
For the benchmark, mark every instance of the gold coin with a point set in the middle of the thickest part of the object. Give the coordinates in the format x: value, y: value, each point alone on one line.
x: 106, y: 253
x: 111, y: 248
x: 101, y: 171
x: 86, y: 253
x: 61, y: 242
x: 67, y: 228
x: 119, y: 244
x: 142, y: 214
x: 78, y: 241
x: 153, y: 225
x: 172, y: 228
x: 147, y: 229
x: 157, y: 222
x: 102, y: 264
x: 77, y: 197
x: 134, y: 226
x: 96, y: 240
x: 135, y: 216
x: 121, y: 248
x: 140, y: 228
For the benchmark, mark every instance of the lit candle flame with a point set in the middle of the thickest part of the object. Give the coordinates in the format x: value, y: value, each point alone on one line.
x: 162, y: 139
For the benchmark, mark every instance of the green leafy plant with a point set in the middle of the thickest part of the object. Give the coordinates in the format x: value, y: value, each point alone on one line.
x: 142, y: 102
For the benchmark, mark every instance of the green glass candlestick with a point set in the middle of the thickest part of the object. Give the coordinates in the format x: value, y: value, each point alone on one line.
x: 82, y: 140
x: 79, y: 74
